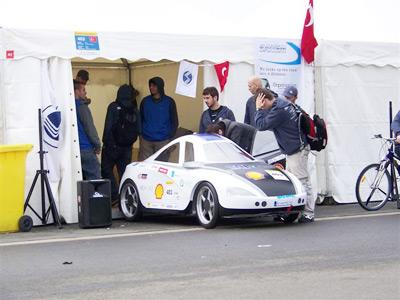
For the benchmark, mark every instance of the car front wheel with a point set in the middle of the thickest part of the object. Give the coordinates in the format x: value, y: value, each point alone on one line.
x: 130, y: 204
x: 207, y: 205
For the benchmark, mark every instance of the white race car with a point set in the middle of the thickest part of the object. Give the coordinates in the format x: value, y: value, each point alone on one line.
x: 211, y: 177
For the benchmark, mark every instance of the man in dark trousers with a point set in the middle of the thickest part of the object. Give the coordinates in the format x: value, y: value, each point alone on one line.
x: 281, y: 117
x: 215, y: 112
x: 159, y: 119
x: 121, y: 129
x: 89, y: 142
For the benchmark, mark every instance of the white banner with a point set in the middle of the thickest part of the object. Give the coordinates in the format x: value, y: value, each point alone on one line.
x: 280, y: 62
x: 186, y: 83
x: 51, y: 125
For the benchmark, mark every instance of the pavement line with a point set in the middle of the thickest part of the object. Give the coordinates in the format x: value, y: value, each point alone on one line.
x: 357, y: 216
x: 144, y: 233
x: 99, y: 237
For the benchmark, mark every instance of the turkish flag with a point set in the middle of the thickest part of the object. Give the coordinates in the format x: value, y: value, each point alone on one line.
x: 222, y: 73
x: 308, y: 41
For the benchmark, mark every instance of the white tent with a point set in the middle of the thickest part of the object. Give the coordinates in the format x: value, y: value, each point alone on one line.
x: 354, y: 83
x: 347, y: 75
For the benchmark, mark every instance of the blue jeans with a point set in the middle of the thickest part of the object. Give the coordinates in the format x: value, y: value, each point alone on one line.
x: 90, y: 165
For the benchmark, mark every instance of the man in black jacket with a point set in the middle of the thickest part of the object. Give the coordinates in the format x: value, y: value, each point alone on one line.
x: 121, y: 129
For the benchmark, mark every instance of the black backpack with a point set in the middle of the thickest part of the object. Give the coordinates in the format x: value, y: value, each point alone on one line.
x: 314, y: 129
x: 125, y: 129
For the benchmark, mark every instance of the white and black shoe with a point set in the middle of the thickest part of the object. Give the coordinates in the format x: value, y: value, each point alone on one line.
x: 306, y: 219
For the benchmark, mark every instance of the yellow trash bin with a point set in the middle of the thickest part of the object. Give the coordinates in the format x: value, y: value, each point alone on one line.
x: 12, y: 179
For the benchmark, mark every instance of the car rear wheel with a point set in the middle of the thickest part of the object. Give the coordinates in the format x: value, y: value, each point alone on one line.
x: 207, y: 205
x: 130, y: 204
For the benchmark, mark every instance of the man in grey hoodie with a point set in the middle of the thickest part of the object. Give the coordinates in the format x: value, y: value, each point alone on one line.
x: 215, y: 112
x: 281, y: 117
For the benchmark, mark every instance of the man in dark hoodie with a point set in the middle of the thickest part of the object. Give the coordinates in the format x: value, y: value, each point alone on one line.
x: 159, y: 119
x: 281, y: 117
x: 215, y: 111
x: 121, y: 129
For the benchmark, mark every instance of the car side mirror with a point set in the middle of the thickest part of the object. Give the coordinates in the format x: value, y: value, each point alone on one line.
x: 192, y: 165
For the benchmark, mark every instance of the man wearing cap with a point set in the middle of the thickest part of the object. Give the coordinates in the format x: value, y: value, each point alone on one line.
x: 290, y: 93
x: 281, y: 117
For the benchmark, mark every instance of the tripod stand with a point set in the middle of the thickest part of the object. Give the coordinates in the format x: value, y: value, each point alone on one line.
x: 44, y: 186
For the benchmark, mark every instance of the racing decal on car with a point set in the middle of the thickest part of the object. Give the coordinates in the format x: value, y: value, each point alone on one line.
x: 171, y: 173
x: 159, y: 191
x: 162, y: 170
x: 279, y: 184
x: 169, y: 192
x: 277, y: 175
x: 142, y: 176
x: 254, y: 175
x: 169, y: 182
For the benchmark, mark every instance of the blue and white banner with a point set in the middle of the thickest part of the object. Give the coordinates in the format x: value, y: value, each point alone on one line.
x: 280, y: 62
x: 51, y: 125
x: 186, y: 84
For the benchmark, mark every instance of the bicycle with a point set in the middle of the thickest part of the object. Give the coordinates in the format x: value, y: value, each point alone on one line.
x: 377, y: 183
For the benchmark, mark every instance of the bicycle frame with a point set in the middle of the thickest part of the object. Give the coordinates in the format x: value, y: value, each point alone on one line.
x: 392, y: 159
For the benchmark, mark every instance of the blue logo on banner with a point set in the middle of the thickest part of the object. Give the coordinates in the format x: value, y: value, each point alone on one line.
x: 297, y: 61
x: 51, y: 126
x: 187, y: 77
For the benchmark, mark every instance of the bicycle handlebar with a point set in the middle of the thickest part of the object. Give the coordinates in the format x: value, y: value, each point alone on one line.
x: 379, y: 136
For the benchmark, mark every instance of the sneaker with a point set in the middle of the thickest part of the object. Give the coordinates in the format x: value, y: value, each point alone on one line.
x: 306, y: 219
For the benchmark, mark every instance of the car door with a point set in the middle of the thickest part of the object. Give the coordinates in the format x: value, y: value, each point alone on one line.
x: 164, y: 190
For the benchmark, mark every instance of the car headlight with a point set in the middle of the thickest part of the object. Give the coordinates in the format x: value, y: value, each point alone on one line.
x: 239, y: 192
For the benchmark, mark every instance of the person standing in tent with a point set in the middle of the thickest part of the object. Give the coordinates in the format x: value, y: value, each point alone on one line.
x: 159, y: 119
x: 83, y: 77
x: 254, y: 84
x: 215, y: 111
x: 281, y: 117
x: 89, y: 142
x: 121, y: 129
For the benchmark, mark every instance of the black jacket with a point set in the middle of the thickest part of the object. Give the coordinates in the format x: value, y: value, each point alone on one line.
x: 125, y: 99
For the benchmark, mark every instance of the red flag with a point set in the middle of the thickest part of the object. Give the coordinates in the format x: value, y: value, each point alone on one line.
x: 222, y: 73
x: 308, y: 41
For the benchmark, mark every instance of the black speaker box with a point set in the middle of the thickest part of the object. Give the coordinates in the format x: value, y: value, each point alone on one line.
x: 94, y: 203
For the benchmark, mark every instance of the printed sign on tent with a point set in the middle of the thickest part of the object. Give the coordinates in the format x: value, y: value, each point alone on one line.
x: 186, y: 83
x: 87, y: 43
x: 279, y: 61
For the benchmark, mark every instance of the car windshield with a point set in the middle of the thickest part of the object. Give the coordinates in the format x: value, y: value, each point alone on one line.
x: 225, y: 152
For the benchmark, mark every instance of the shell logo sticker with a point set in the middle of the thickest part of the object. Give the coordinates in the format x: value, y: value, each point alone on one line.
x: 254, y: 175
x: 159, y: 191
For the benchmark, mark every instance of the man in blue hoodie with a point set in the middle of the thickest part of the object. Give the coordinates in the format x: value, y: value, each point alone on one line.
x: 159, y: 119
x: 281, y: 117
x: 89, y: 142
x: 215, y: 111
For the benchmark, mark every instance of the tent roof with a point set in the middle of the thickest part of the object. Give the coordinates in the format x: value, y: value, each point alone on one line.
x: 155, y: 47
x: 332, y: 53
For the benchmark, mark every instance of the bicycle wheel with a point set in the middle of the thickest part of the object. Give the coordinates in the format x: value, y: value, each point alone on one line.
x: 373, y: 187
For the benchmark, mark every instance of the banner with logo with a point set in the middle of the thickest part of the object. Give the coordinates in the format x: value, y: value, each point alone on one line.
x: 51, y: 125
x: 279, y: 61
x: 186, y: 83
